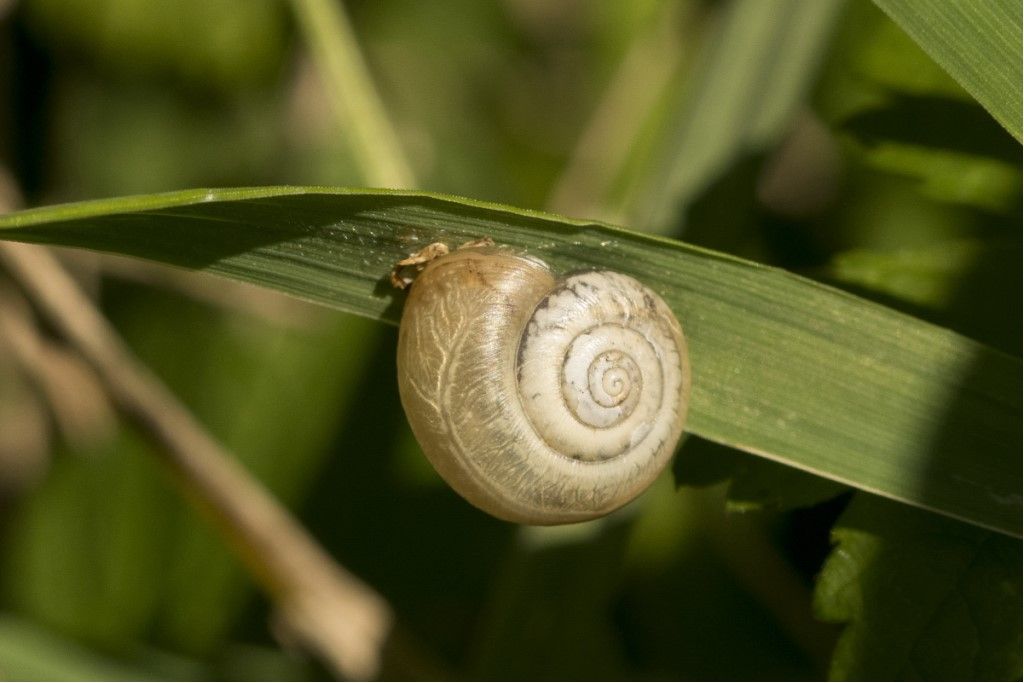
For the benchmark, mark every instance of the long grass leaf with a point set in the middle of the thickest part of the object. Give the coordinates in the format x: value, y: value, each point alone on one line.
x: 783, y: 367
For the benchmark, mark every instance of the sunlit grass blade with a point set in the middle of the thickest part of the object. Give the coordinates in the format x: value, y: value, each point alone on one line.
x: 783, y: 367
x: 978, y: 43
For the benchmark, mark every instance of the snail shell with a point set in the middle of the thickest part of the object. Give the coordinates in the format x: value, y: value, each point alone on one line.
x: 541, y: 401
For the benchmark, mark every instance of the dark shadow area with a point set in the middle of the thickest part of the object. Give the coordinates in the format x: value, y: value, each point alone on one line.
x: 937, y: 123
x: 700, y: 462
x: 720, y: 218
x: 383, y: 289
x: 728, y: 217
x: 30, y: 111
x: 806, y: 534
x: 987, y: 304
x: 984, y: 415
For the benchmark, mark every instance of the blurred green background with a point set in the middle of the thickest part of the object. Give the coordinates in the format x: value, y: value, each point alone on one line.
x: 811, y: 135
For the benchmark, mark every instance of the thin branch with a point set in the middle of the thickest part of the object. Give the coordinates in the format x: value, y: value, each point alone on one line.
x: 330, y: 611
x: 77, y: 402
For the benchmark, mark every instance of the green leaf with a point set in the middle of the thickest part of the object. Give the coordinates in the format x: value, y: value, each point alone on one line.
x: 28, y: 652
x: 926, y: 276
x: 926, y: 598
x: 783, y: 367
x: 949, y: 176
x: 978, y: 43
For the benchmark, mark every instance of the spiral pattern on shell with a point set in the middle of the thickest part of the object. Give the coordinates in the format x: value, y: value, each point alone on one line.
x: 541, y: 401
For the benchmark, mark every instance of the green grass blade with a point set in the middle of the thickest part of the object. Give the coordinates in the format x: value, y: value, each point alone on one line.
x: 783, y: 367
x: 978, y: 43
x: 363, y: 119
x: 750, y: 81
x: 30, y: 652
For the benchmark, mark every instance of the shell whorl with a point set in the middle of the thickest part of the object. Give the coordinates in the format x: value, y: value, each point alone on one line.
x: 541, y: 401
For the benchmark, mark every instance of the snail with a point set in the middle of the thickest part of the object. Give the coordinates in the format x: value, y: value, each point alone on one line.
x: 539, y: 400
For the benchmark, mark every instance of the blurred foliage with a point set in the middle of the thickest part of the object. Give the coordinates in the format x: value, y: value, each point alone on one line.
x: 211, y: 44
x: 882, y: 176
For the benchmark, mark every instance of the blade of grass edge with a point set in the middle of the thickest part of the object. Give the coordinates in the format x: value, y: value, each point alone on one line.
x: 784, y: 367
x: 978, y: 43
